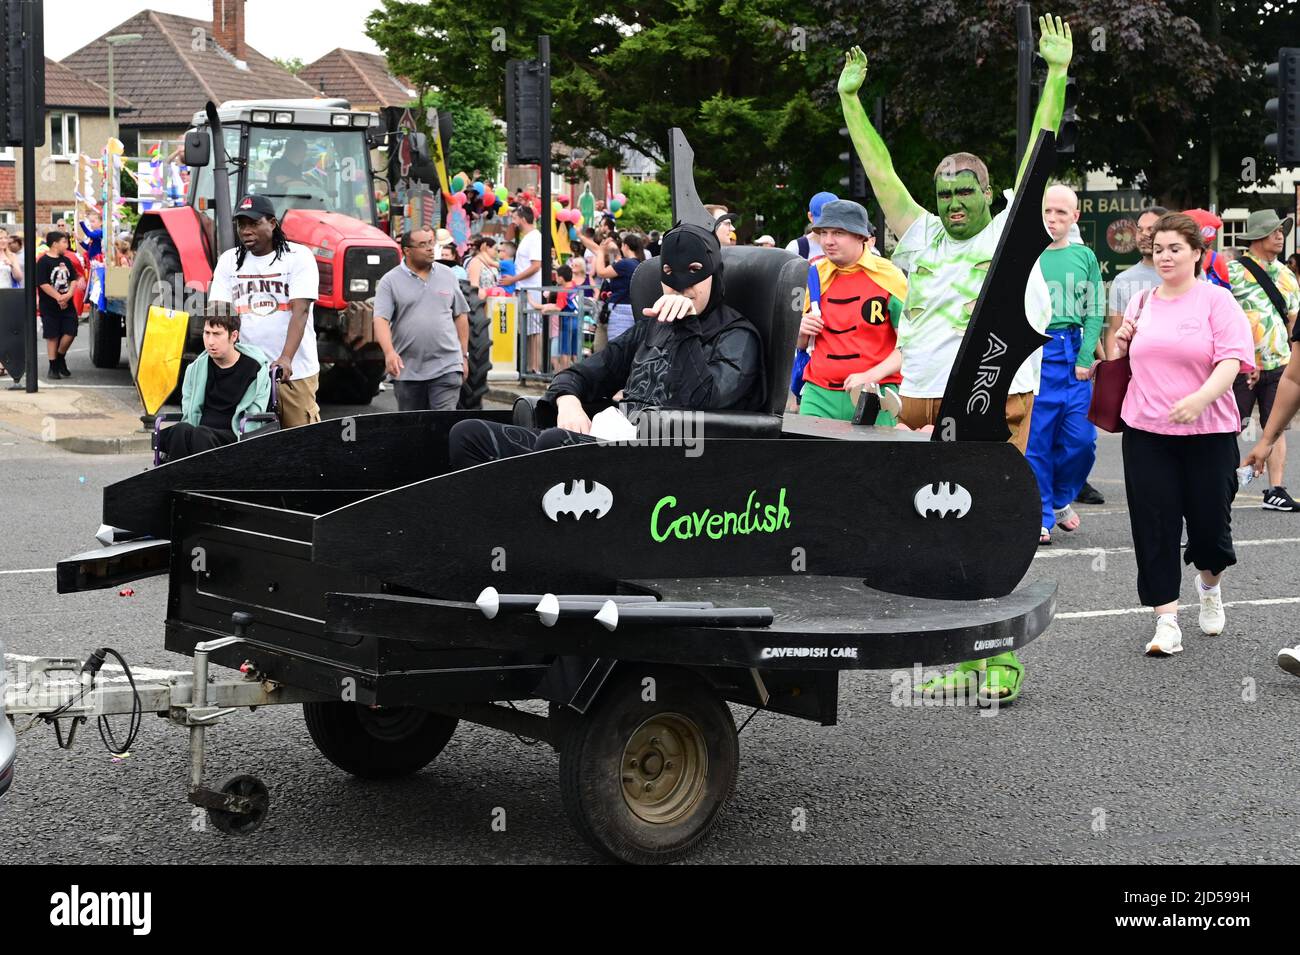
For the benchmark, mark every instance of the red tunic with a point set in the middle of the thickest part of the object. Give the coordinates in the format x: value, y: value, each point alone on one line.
x: 857, y: 334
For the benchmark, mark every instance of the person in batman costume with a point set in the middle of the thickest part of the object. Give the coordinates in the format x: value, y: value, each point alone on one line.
x: 691, y: 351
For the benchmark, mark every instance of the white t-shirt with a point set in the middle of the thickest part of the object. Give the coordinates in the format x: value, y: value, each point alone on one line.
x: 261, y: 292
x: 814, y: 247
x: 527, y: 252
x: 944, y: 279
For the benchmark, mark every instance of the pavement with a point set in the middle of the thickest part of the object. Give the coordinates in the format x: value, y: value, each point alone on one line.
x: 1108, y: 757
x: 97, y: 410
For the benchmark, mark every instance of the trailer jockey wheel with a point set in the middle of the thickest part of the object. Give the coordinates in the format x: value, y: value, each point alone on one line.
x: 253, y: 799
x: 647, y: 771
x: 377, y: 742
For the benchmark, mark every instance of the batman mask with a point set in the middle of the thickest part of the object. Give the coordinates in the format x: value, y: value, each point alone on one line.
x: 683, y: 245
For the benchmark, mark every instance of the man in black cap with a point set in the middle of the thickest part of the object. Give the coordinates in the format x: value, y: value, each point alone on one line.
x: 700, y: 354
x: 271, y: 283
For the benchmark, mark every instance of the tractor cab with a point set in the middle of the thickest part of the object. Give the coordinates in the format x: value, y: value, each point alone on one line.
x: 301, y: 154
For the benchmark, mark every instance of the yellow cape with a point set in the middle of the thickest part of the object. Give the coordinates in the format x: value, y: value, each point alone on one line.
x: 885, y: 273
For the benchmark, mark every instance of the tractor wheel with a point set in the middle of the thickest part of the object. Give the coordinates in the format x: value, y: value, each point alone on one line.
x: 156, y: 279
x: 646, y: 780
x: 379, y: 742
x: 105, y: 339
x: 475, y: 386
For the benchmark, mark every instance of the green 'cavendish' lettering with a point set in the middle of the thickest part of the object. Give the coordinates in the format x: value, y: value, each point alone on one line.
x: 756, y: 518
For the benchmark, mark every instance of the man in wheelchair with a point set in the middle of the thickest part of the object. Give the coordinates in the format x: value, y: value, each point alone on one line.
x: 226, y: 392
x: 691, y: 351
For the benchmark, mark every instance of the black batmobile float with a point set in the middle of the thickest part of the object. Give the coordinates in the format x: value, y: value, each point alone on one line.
x: 637, y: 588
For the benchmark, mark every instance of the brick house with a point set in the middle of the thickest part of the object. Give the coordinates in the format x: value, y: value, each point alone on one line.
x: 76, y: 121
x: 180, y: 64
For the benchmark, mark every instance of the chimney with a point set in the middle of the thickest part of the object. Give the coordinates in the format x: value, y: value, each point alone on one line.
x: 228, y: 26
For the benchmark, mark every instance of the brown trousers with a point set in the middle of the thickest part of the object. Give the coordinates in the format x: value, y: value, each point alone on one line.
x: 918, y: 412
x: 298, y: 402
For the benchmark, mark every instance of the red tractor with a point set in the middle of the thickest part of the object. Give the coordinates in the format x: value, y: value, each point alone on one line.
x: 311, y: 158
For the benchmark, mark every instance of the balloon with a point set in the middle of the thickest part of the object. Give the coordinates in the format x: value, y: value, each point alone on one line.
x: 615, y: 206
x: 621, y: 199
x: 556, y: 208
x: 573, y: 234
x: 618, y: 214
x: 457, y: 182
x: 479, y: 188
x: 562, y: 200
x: 500, y: 193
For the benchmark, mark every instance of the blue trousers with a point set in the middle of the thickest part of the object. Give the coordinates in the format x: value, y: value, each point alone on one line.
x: 1062, y: 441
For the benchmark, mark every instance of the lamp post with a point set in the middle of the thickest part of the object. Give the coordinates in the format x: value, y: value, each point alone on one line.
x: 113, y: 41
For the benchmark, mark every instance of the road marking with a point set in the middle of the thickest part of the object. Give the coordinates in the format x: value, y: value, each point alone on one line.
x: 1122, y: 611
x: 31, y: 570
x: 1094, y: 551
x: 1101, y: 511
x: 140, y: 673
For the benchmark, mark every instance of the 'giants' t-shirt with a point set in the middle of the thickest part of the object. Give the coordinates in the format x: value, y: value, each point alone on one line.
x: 944, y: 278
x: 261, y: 290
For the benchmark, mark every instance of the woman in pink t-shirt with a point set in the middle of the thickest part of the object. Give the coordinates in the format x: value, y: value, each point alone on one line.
x: 1186, y: 341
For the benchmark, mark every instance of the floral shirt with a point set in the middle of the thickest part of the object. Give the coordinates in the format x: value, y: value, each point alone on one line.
x: 1272, y: 345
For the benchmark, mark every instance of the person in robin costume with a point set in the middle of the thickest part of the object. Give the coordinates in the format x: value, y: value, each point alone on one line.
x: 850, y: 324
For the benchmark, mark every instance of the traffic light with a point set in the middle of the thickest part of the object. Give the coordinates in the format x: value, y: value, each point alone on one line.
x: 854, y: 185
x: 1285, y: 107
x: 15, y: 17
x: 523, y: 112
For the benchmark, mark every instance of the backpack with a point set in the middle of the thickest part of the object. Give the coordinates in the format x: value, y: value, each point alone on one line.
x: 1211, y: 271
x: 805, y: 249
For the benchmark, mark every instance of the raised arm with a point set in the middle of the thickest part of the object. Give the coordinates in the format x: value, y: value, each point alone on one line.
x: 1056, y: 47
x: 901, y: 210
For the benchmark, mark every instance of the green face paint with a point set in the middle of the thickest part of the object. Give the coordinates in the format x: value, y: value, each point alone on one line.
x: 962, y: 204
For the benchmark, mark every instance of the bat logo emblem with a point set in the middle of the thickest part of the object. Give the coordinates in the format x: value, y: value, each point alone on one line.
x: 578, y: 499
x: 942, y: 499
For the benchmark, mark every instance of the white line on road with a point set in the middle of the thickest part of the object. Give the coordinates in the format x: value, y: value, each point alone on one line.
x: 1101, y: 511
x: 30, y: 570
x: 140, y: 673
x: 1119, y: 612
x: 1094, y: 551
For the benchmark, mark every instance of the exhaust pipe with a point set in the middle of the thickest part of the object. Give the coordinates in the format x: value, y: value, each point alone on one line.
x: 224, y: 237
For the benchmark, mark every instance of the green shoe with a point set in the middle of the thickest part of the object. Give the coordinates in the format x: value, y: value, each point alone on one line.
x: 957, y: 683
x: 1004, y: 675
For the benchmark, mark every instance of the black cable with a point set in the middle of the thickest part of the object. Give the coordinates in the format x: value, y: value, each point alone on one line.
x: 137, y: 713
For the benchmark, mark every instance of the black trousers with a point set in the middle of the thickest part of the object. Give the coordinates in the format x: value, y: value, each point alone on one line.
x: 181, y: 440
x: 1171, y: 479
x: 476, y: 441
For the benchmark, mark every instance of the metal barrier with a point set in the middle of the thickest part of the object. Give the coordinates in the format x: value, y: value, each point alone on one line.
x: 547, y: 356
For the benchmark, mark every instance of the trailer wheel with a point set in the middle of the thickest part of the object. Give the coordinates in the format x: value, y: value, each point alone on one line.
x: 475, y: 386
x: 240, y: 823
x: 646, y: 781
x: 105, y: 339
x: 380, y: 743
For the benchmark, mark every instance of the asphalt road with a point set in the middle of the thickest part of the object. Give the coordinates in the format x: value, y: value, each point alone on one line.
x: 1108, y: 757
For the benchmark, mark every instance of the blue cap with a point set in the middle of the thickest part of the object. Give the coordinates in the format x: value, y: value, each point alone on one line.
x: 816, y: 202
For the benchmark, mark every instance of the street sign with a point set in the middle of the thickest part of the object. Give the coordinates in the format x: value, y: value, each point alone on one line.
x: 1108, y: 225
x: 15, y: 75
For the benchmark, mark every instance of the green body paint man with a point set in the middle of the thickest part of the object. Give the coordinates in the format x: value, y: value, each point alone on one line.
x: 947, y: 257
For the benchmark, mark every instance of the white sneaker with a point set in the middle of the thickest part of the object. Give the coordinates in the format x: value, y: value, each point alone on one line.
x: 1168, y: 639
x: 1288, y: 658
x: 1211, y: 618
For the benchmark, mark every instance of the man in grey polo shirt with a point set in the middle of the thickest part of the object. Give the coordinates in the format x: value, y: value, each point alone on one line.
x: 422, y: 324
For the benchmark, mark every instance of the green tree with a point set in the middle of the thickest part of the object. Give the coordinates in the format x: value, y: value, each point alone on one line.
x: 1159, y: 81
x: 648, y: 206
x: 476, y: 142
x: 294, y: 65
x: 738, y: 76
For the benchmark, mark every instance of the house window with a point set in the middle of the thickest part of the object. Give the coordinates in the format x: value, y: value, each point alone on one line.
x: 1232, y: 228
x: 65, y: 135
x: 8, y: 218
